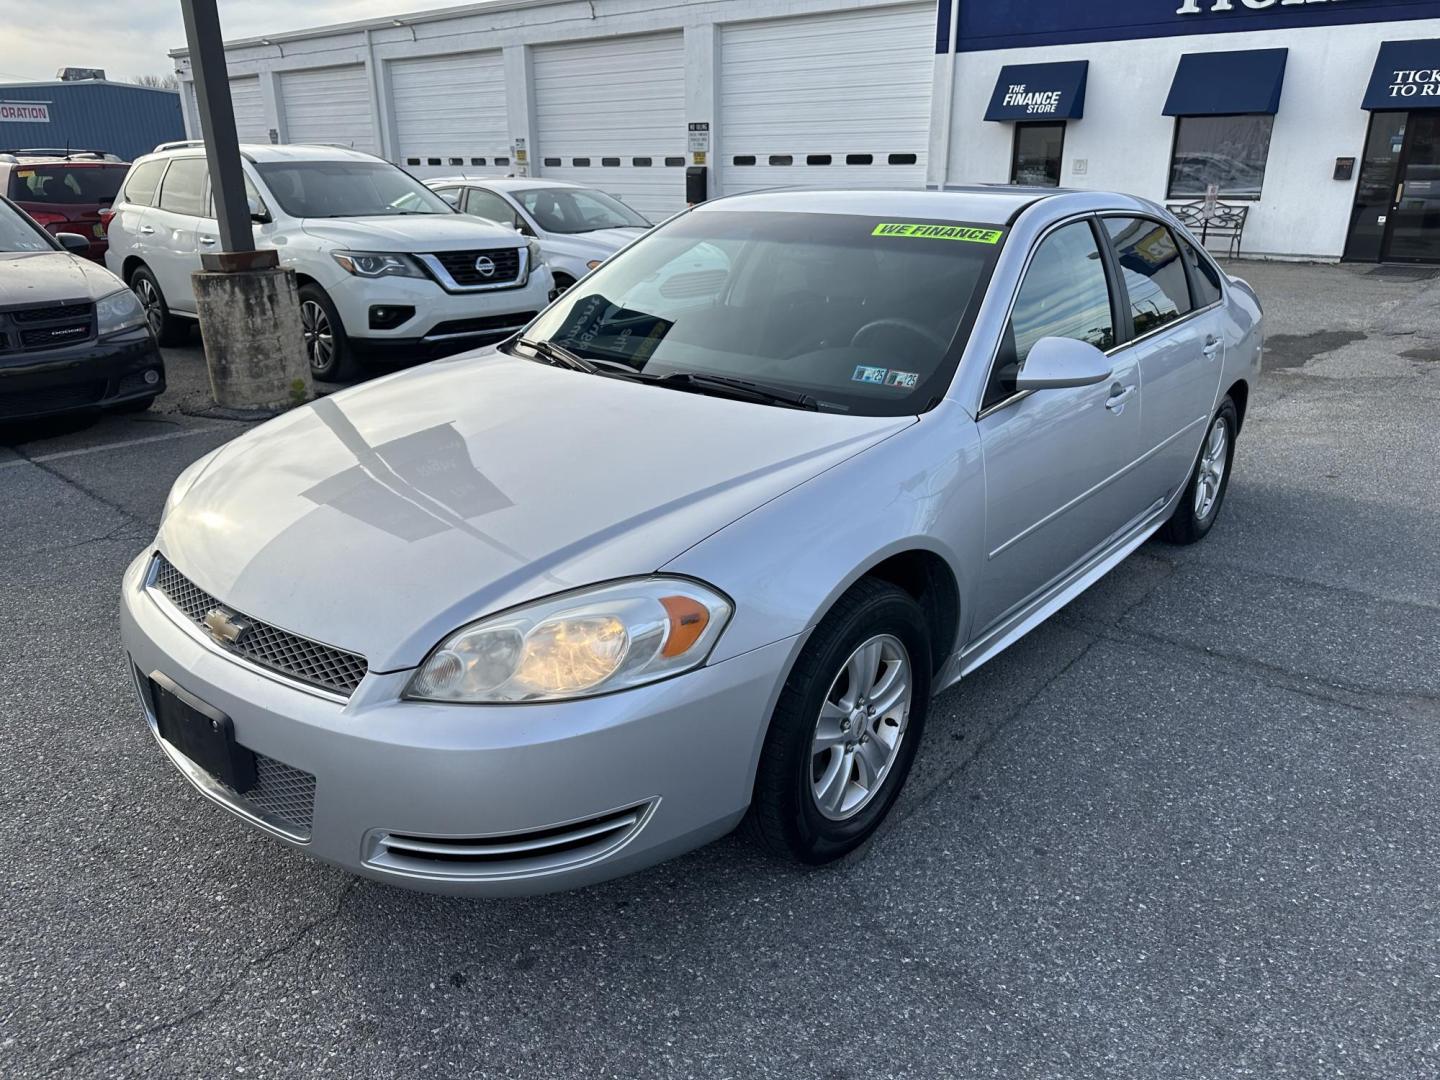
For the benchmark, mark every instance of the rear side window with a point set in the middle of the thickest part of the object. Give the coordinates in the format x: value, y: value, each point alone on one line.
x: 1153, y: 271
x: 1064, y: 294
x: 1205, y: 278
x: 143, y: 180
x: 62, y: 184
x: 183, y: 189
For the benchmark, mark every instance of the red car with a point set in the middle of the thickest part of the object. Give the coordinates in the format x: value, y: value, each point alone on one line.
x: 64, y: 190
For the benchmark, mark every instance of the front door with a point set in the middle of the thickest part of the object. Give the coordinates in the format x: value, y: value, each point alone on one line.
x: 1397, y: 199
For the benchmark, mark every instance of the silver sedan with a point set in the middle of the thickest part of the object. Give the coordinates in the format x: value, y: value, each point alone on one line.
x: 699, y: 546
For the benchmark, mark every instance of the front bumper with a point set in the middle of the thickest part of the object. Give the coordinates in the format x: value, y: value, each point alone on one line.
x: 473, y: 800
x: 89, y: 375
x: 443, y: 322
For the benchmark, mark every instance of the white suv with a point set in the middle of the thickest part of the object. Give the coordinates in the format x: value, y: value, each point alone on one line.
x: 383, y: 263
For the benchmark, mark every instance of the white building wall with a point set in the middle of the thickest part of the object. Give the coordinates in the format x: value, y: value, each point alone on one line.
x: 1125, y: 141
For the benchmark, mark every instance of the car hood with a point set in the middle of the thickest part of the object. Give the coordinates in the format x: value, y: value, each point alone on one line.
x: 412, y: 232
x: 600, y: 243
x: 381, y: 518
x: 43, y: 276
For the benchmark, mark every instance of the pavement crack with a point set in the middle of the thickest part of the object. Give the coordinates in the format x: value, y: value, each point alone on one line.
x: 260, y: 963
x: 85, y: 490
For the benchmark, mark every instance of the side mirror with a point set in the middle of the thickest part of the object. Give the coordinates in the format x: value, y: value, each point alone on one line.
x: 1056, y: 363
x: 73, y: 242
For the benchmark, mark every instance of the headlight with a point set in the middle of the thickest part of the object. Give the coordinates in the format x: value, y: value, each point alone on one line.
x: 577, y: 645
x: 119, y: 311
x: 533, y: 246
x: 373, y: 264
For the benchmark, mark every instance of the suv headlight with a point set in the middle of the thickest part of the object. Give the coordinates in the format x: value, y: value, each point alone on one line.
x: 576, y: 645
x: 375, y: 264
x: 533, y: 246
x: 119, y: 311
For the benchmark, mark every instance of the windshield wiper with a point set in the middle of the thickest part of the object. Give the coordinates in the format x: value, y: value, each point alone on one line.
x: 725, y: 384
x: 559, y: 355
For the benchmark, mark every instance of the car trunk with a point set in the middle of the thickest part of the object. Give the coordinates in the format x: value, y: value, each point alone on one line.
x: 67, y: 196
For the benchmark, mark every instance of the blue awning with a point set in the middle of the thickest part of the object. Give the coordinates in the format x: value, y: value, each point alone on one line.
x: 1227, y: 83
x: 1406, y: 76
x: 1040, y: 91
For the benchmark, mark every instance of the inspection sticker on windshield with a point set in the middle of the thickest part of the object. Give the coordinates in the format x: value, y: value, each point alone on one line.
x: 939, y: 232
x: 905, y: 380
x: 866, y: 374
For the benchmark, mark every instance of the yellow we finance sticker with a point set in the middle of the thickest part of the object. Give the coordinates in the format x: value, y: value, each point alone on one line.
x: 966, y: 233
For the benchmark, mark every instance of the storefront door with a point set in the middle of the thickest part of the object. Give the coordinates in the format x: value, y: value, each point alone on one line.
x: 1397, y: 199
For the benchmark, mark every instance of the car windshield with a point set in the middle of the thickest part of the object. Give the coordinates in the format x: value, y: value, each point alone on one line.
x: 577, y: 210
x: 318, y: 189
x: 18, y: 234
x: 863, y: 314
x: 67, y: 184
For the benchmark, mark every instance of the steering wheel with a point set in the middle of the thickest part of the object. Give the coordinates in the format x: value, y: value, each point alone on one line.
x: 907, y: 325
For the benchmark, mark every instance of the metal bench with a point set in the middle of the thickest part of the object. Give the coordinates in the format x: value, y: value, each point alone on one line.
x: 1224, y: 221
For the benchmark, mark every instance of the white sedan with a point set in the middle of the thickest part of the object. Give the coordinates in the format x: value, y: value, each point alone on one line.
x: 577, y: 227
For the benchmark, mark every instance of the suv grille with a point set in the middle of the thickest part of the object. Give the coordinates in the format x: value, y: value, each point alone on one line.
x: 48, y: 327
x: 460, y: 265
x: 279, y: 650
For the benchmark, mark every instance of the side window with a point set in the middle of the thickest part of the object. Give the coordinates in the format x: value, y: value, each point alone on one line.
x: 183, y: 190
x: 140, y: 185
x: 450, y: 194
x: 1154, y: 273
x: 252, y: 196
x: 488, y: 205
x: 1205, y: 277
x: 1064, y: 294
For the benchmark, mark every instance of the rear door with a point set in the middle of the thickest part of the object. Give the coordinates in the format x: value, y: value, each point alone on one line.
x: 1179, y: 346
x: 174, y: 249
x: 1059, y: 476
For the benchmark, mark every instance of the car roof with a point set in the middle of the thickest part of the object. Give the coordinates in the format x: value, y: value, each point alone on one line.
x: 269, y: 152
x: 985, y: 205
x: 504, y: 183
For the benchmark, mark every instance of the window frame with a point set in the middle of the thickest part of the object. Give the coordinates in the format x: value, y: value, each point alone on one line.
x: 1110, y: 268
x: 1170, y: 195
x: 1015, y: 147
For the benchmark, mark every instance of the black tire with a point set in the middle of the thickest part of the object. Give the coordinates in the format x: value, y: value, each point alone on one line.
x: 327, y: 348
x: 562, y: 282
x: 785, y: 815
x: 168, y: 329
x: 1190, y: 521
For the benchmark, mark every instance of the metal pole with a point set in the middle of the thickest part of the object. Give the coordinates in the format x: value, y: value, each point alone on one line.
x: 217, y: 127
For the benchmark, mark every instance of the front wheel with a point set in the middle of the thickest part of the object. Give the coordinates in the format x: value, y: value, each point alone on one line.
x: 326, y: 347
x: 846, y: 727
x: 1200, y: 504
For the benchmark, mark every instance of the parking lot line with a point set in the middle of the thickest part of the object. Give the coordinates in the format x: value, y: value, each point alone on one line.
x: 107, y: 446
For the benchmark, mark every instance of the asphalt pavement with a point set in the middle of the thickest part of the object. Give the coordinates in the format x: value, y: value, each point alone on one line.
x: 1188, y: 829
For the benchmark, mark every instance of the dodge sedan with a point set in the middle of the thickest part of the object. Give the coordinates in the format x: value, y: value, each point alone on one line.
x: 699, y: 545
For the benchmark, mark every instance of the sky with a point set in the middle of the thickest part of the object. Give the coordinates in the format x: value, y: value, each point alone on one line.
x: 132, y: 37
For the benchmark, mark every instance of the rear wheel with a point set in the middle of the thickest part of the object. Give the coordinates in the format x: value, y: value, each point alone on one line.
x: 1200, y: 504
x: 168, y: 329
x: 846, y: 727
x: 326, y: 347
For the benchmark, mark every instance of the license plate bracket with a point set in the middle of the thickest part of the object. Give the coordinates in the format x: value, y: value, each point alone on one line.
x: 202, y: 733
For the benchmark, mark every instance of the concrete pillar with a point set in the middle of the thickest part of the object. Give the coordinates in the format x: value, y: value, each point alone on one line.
x: 250, y: 321
x: 519, y: 109
x: 270, y: 96
x: 702, y: 93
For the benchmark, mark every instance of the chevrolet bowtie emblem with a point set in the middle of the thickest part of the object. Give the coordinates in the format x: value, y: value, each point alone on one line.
x: 223, y: 626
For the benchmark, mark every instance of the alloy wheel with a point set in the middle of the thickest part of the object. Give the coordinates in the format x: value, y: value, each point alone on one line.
x: 860, y: 727
x: 1213, y: 459
x: 149, y: 297
x: 319, y: 338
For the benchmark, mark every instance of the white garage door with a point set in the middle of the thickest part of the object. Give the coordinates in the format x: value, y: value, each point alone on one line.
x: 450, y: 111
x: 330, y: 105
x: 250, y: 123
x: 611, y: 115
x: 841, y: 99
x: 249, y: 107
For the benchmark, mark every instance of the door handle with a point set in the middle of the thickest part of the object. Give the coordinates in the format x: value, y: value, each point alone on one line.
x: 1211, y: 348
x: 207, y: 240
x: 1118, y: 396
x: 147, y: 230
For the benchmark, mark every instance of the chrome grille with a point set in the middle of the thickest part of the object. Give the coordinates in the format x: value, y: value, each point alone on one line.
x: 279, y: 650
x: 539, y: 851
